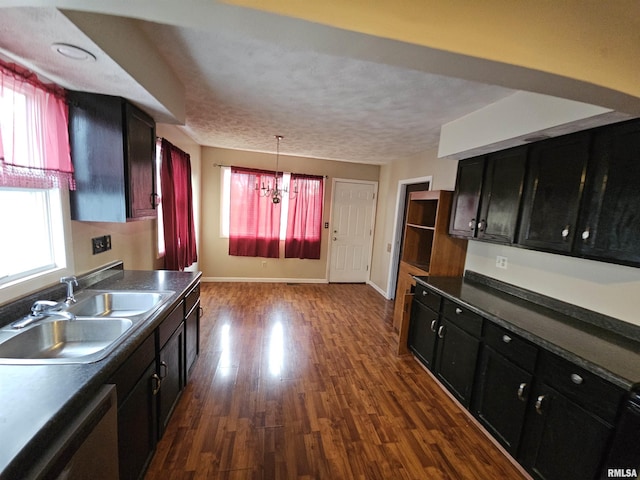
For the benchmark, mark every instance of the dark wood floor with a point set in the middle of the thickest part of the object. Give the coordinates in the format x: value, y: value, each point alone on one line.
x: 302, y: 382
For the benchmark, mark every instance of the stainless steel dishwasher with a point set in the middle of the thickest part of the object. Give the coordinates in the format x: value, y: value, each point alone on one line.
x: 88, y: 448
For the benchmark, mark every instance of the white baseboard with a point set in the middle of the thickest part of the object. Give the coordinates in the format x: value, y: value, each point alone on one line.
x: 264, y: 280
x: 378, y: 289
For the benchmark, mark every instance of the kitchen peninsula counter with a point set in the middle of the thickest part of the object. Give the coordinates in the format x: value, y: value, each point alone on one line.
x: 38, y: 401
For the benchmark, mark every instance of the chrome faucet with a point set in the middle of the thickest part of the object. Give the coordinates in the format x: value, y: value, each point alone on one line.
x: 70, y: 281
x: 44, y: 309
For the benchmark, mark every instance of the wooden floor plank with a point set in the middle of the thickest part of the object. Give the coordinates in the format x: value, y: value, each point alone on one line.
x: 302, y: 382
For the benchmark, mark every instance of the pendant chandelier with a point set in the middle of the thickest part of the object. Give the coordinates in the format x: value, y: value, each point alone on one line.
x: 276, y: 192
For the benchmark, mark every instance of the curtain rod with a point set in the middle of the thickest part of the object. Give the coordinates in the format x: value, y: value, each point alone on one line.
x: 293, y: 173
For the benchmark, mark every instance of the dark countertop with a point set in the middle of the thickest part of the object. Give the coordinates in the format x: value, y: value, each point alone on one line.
x: 595, y: 346
x: 38, y: 400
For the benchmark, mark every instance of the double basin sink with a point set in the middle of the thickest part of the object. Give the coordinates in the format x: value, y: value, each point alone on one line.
x: 83, y: 332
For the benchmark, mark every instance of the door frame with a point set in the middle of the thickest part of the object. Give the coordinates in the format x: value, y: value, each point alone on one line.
x: 394, y: 260
x: 373, y: 220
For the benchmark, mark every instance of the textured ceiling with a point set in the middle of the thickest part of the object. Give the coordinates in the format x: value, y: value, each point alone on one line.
x: 242, y: 89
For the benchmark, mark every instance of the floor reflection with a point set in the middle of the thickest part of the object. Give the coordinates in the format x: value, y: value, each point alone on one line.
x: 225, y: 347
x: 276, y: 349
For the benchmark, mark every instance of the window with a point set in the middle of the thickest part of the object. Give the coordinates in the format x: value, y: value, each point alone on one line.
x: 35, y: 174
x: 35, y: 241
x: 257, y: 231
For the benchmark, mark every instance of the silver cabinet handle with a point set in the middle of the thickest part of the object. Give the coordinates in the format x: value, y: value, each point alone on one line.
x: 433, y: 325
x: 166, y: 369
x: 472, y: 223
x: 586, y: 234
x: 458, y: 311
x: 158, y: 383
x: 577, y: 379
x: 565, y: 232
x: 539, y: 404
x: 482, y: 224
x: 424, y: 293
x: 441, y: 331
x: 521, y: 392
x: 506, y: 338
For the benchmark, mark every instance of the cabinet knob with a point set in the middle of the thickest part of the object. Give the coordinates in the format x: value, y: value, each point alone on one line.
x: 472, y: 223
x: 586, y: 234
x: 157, y: 383
x: 163, y: 365
x: 577, y: 379
x: 458, y: 311
x: 540, y: 404
x: 433, y: 325
x: 482, y: 225
x: 441, y: 331
x: 522, y: 392
x: 506, y: 338
x: 424, y: 293
x: 565, y: 232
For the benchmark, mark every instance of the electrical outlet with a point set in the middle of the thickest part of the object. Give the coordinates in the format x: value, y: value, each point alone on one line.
x: 101, y: 244
x: 501, y: 262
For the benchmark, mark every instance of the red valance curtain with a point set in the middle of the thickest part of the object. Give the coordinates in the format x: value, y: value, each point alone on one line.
x: 304, y: 221
x: 34, y: 137
x: 177, y: 208
x: 254, y: 220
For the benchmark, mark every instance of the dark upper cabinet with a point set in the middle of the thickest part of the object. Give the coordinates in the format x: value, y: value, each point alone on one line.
x: 466, y: 200
x: 501, y: 193
x: 113, y: 153
x: 487, y: 200
x: 610, y: 225
x: 554, y: 187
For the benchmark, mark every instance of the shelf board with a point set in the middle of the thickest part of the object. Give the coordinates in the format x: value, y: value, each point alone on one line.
x: 422, y: 227
x: 421, y: 266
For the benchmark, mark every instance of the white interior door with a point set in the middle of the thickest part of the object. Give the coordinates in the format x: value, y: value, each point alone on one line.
x: 351, y: 231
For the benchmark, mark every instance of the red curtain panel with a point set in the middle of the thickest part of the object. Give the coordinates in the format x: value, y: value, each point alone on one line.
x: 304, y: 221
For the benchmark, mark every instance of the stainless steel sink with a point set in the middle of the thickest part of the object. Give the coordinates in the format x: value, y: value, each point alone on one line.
x: 65, y: 341
x: 117, y: 304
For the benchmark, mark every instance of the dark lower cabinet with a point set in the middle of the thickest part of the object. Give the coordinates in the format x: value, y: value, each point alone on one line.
x: 192, y: 338
x: 456, y: 360
x: 137, y: 429
x: 422, y: 333
x: 171, y: 372
x: 500, y: 398
x: 564, y: 441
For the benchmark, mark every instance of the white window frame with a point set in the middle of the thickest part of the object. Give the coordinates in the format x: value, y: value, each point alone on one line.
x: 225, y: 202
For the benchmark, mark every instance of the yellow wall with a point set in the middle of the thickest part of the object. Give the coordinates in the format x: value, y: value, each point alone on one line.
x: 216, y: 263
x: 588, y: 41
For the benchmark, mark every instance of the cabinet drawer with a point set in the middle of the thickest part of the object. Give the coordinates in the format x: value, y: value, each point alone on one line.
x: 462, y: 317
x: 516, y: 349
x: 583, y: 387
x: 191, y: 299
x: 131, y: 370
x: 427, y: 297
x: 169, y: 325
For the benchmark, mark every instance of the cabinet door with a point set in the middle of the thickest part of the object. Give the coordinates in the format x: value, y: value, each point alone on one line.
x: 192, y: 336
x: 562, y: 440
x: 456, y: 360
x: 500, y: 398
x: 466, y: 199
x: 137, y: 429
x: 501, y: 194
x: 170, y: 370
x: 553, y: 192
x: 422, y: 333
x: 610, y: 227
x: 140, y: 144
